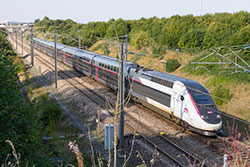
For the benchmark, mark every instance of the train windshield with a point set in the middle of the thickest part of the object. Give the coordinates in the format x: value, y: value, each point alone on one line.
x: 202, y: 99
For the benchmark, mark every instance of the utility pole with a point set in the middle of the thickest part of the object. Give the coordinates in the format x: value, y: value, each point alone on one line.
x: 126, y: 36
x: 55, y: 38
x: 121, y: 103
x: 79, y: 39
x: 22, y: 41
x: 16, y: 39
x: 31, y: 47
x: 47, y: 40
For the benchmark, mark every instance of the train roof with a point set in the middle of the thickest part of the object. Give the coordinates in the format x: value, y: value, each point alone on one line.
x: 190, y: 84
x: 107, y: 60
x: 84, y: 53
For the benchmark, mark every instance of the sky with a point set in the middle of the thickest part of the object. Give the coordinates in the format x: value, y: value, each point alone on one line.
x: 84, y: 11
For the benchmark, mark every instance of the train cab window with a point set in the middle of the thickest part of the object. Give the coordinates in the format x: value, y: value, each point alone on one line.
x: 202, y: 99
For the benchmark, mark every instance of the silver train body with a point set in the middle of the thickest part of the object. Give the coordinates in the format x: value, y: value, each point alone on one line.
x: 183, y: 100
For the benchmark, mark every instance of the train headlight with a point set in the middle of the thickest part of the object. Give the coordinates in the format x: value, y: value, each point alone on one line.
x: 218, y: 116
x: 202, y: 116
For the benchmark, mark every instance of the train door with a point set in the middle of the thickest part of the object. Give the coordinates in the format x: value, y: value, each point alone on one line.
x: 178, y: 105
x: 93, y: 66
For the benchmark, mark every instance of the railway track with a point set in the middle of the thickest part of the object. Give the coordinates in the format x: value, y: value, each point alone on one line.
x: 98, y: 99
x: 168, y: 148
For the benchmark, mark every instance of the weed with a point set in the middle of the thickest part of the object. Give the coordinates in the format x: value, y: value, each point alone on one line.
x: 220, y: 92
x: 171, y: 65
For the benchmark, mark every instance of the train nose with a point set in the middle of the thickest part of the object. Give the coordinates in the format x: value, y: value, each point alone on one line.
x: 211, y: 117
x: 215, y: 126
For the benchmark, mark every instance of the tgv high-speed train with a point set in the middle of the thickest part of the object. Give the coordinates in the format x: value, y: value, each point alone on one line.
x: 183, y: 100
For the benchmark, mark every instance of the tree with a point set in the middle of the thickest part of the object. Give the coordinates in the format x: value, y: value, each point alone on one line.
x: 117, y: 28
x: 192, y: 39
x: 141, y: 39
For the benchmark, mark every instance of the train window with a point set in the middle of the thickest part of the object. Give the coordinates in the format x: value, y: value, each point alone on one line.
x: 202, y: 99
x: 111, y: 68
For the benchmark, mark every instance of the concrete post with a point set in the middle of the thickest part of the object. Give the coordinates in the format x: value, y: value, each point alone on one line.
x: 55, y: 38
x: 31, y: 47
x: 22, y: 41
x: 121, y: 103
x: 79, y: 39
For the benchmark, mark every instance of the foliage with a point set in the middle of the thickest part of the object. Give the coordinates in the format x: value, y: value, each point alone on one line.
x: 158, y: 51
x: 17, y: 117
x: 185, y: 32
x: 192, y: 39
x: 171, y: 65
x: 50, y: 112
x: 220, y: 92
x: 141, y: 39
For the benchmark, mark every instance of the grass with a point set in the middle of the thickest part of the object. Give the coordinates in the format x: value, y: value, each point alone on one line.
x: 67, y: 130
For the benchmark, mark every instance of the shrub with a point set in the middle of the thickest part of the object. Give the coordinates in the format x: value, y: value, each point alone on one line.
x: 50, y: 112
x: 158, y: 51
x: 17, y: 117
x: 141, y: 39
x: 171, y: 65
x: 221, y: 94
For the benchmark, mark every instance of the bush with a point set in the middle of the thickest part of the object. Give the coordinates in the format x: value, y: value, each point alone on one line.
x: 220, y: 93
x: 171, y: 65
x: 159, y: 51
x: 50, y: 112
x: 17, y: 117
x: 141, y: 39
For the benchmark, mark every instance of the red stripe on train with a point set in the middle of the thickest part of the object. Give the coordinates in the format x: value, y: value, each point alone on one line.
x: 96, y: 73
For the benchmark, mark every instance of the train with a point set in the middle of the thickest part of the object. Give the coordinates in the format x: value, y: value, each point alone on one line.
x: 185, y: 101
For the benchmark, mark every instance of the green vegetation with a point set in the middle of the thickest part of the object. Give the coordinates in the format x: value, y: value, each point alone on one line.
x: 50, y: 113
x: 185, y: 32
x: 171, y: 65
x: 17, y: 116
x: 221, y: 94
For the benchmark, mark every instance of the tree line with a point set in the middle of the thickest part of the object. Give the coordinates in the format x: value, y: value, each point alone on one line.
x: 182, y: 32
